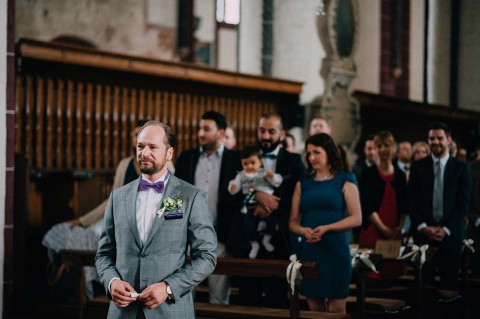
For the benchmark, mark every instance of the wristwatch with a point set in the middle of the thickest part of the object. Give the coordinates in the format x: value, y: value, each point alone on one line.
x: 169, y: 290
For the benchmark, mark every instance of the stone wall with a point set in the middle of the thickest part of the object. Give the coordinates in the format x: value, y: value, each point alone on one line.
x: 133, y: 27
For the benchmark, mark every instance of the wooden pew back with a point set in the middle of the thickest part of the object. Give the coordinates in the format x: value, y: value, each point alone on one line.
x: 225, y: 266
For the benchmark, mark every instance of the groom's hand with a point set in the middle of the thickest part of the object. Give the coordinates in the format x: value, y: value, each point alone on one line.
x: 121, y: 293
x: 154, y: 295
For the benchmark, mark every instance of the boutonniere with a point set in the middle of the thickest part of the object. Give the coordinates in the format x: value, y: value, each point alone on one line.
x: 170, y: 204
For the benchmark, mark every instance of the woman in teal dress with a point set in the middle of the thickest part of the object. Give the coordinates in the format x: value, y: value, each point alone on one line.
x: 325, y: 206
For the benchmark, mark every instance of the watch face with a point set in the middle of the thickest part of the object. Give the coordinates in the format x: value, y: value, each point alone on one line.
x: 169, y: 291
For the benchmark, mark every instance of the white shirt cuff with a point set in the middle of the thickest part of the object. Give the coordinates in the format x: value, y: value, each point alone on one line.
x: 446, y: 230
x: 477, y: 222
x: 421, y: 226
x: 110, y: 283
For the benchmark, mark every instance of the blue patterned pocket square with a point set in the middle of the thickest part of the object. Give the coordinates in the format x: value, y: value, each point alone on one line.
x: 174, y: 215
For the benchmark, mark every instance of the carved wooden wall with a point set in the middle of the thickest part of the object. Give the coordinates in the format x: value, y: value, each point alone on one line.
x: 76, y: 108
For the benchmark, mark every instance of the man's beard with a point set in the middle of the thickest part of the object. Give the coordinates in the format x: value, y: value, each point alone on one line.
x: 437, y: 150
x: 208, y: 145
x: 149, y: 170
x: 267, y: 149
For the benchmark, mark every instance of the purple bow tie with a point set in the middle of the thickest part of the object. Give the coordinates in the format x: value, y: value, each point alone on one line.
x: 158, y: 186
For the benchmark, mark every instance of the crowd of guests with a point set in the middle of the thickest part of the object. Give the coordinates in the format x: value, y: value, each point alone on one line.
x: 268, y: 202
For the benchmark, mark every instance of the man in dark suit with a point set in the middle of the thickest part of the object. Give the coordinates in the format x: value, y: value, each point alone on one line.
x: 210, y: 167
x: 371, y: 157
x: 290, y: 166
x: 439, y: 193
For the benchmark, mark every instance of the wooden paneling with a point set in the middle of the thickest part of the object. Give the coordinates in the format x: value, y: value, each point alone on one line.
x: 87, y: 125
x: 409, y: 120
x: 76, y: 109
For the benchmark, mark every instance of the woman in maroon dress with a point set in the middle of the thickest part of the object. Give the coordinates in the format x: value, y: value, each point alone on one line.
x: 384, y: 203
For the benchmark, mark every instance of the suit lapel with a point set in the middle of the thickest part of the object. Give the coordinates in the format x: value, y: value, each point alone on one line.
x: 224, y: 168
x: 193, y: 164
x: 280, y: 162
x: 171, y: 190
x: 430, y: 174
x: 448, y: 176
x: 131, y: 204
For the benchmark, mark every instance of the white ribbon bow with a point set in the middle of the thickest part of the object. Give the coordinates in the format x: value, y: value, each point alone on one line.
x: 468, y: 243
x: 293, y: 270
x: 161, y: 211
x: 365, y: 258
x: 415, y: 250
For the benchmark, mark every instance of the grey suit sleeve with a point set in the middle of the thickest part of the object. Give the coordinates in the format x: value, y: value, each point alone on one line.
x: 106, y: 253
x: 203, y: 242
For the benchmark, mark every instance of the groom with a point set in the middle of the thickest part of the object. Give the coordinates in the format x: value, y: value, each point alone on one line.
x: 148, y: 225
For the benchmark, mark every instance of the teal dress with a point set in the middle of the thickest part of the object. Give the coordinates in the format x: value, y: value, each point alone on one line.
x: 322, y: 203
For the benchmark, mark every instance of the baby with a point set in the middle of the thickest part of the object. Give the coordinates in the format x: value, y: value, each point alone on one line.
x: 254, y: 178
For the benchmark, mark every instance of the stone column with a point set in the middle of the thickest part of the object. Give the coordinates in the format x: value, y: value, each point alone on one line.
x: 338, y: 30
x: 438, y: 63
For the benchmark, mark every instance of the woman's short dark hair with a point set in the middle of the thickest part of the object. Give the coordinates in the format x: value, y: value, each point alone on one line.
x: 326, y: 142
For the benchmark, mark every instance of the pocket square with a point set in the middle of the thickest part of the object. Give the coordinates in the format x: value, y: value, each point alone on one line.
x: 174, y: 215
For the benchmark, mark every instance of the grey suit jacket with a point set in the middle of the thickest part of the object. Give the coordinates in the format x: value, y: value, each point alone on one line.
x: 163, y: 256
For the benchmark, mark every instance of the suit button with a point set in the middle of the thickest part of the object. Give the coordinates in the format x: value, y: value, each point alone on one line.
x: 143, y: 255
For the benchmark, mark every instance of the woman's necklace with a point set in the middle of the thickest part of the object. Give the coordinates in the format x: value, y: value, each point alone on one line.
x: 324, y: 178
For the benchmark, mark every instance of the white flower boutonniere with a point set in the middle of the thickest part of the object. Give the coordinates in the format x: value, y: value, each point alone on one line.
x: 170, y: 203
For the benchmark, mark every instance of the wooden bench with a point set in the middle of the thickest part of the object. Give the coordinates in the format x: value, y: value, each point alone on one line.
x: 84, y: 307
x: 225, y: 266
x: 411, y: 285
x: 369, y: 306
x: 263, y: 268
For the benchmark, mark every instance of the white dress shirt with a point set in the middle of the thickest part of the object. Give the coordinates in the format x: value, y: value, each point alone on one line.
x: 270, y: 164
x: 149, y: 203
x: 207, y: 177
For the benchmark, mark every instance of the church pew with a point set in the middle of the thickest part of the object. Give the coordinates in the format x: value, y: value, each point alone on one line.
x: 225, y: 266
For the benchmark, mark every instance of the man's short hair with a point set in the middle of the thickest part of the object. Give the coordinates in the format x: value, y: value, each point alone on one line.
x: 170, y: 137
x: 218, y: 118
x: 440, y: 126
x: 370, y: 137
x: 275, y: 115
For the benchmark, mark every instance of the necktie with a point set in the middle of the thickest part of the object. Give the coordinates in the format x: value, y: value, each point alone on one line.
x: 438, y: 193
x: 270, y: 156
x: 407, y: 167
x: 145, y: 185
